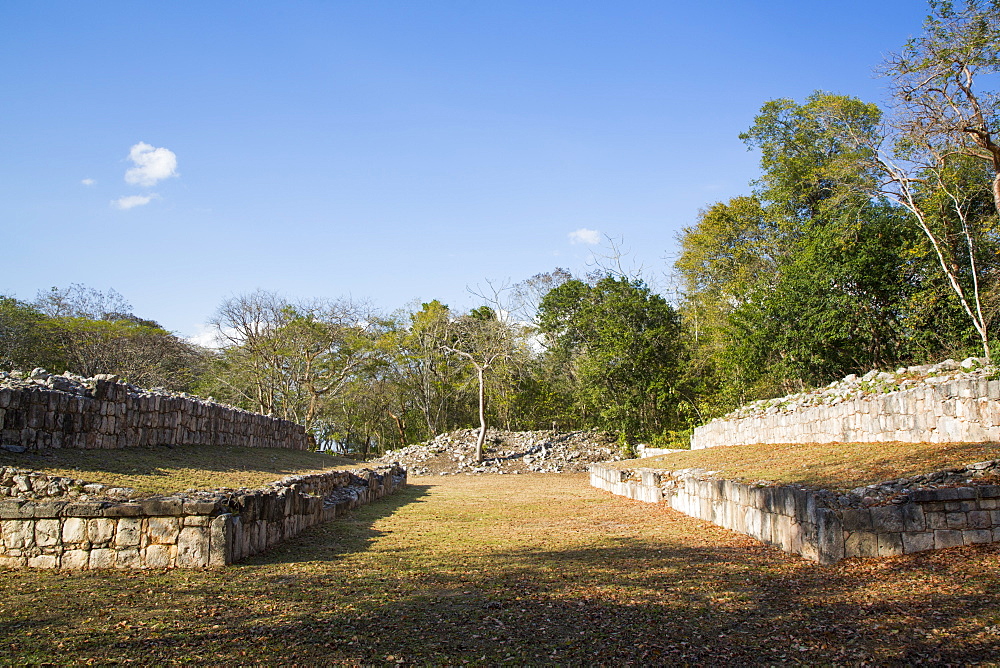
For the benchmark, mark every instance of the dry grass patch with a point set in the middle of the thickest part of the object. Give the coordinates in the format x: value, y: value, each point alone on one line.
x: 837, y: 466
x: 522, y: 570
x: 164, y: 470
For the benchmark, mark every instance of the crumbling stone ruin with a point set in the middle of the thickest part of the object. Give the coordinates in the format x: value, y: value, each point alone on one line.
x: 506, y: 452
x: 41, y: 410
x: 948, y: 402
x: 189, y: 530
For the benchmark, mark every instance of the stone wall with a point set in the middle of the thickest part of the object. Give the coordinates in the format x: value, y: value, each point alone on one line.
x: 64, y: 412
x: 802, y: 522
x: 954, y: 404
x: 188, y: 531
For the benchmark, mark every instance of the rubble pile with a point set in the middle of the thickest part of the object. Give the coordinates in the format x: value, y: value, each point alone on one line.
x: 506, y: 452
x: 873, y: 382
x: 72, y: 383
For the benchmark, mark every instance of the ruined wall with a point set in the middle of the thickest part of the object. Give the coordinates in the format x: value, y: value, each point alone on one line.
x: 66, y: 412
x: 820, y: 526
x: 934, y: 404
x: 187, y: 530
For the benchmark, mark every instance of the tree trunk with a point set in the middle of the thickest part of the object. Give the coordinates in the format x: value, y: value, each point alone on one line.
x: 482, y: 415
x: 401, y: 426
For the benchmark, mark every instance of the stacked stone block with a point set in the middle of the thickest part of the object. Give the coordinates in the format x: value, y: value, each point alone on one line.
x: 184, y: 531
x: 960, y: 410
x: 798, y: 521
x: 112, y: 416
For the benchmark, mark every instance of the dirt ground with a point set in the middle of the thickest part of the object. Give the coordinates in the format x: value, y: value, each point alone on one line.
x: 529, y: 569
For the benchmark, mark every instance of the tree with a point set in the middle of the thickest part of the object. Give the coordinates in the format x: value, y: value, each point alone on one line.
x: 620, y: 345
x: 289, y: 359
x: 79, y: 301
x: 486, y: 341
x: 939, y: 158
x: 24, y: 338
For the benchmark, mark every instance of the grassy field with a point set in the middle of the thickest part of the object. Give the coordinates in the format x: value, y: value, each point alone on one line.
x: 528, y: 569
x: 838, y: 466
x: 163, y: 470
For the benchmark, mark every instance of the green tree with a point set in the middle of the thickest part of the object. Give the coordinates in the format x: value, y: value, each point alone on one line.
x: 620, y: 345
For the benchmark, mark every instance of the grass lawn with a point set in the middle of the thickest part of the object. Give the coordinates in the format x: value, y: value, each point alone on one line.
x: 836, y: 466
x: 528, y: 569
x: 164, y: 470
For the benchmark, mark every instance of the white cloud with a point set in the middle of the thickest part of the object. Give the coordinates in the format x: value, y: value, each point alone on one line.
x: 585, y: 236
x: 88, y: 182
x: 152, y: 165
x: 132, y: 201
x: 208, y: 336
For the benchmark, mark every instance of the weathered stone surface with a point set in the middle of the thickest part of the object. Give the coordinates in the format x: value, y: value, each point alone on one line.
x: 944, y: 538
x: 47, y: 532
x: 128, y: 532
x: 157, y: 556
x: 162, y: 505
x: 861, y: 544
x: 75, y: 559
x: 192, y: 548
x: 918, y: 541
x: 162, y: 530
x: 101, y: 530
x: 123, y: 510
x: 74, y: 530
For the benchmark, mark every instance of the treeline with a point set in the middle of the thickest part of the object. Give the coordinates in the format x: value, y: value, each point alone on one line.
x: 871, y: 240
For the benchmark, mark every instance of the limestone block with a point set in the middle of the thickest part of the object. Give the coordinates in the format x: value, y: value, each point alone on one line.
x: 123, y: 510
x: 163, y: 530
x: 102, y: 557
x: 956, y: 520
x: 979, y: 519
x: 193, y: 547
x: 74, y: 530
x: 221, y: 535
x: 128, y: 532
x: 18, y: 534
x: 43, y: 561
x: 976, y: 536
x: 937, y: 520
x: 101, y: 530
x: 890, y: 545
x: 947, y: 538
x: 917, y: 541
x: 127, y: 558
x: 856, y: 519
x: 47, y: 532
x: 162, y: 506
x: 75, y: 559
x: 887, y: 519
x: 158, y: 556
x: 10, y: 561
x: 197, y: 521
x: 861, y: 544
x: 913, y: 517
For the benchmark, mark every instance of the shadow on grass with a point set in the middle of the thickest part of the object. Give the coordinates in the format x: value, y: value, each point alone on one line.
x: 636, y: 602
x: 344, y: 535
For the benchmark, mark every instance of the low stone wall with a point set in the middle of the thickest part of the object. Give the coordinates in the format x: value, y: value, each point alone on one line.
x: 57, y: 412
x: 187, y: 531
x: 800, y: 521
x: 934, y: 410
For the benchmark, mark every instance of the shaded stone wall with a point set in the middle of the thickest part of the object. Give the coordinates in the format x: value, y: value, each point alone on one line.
x: 187, y: 531
x: 957, y: 410
x: 113, y: 415
x: 799, y: 521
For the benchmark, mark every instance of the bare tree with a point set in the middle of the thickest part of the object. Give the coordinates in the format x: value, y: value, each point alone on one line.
x: 942, y: 123
x: 79, y: 301
x: 484, y: 341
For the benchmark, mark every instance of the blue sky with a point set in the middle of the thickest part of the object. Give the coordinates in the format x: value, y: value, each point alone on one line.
x: 395, y: 151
